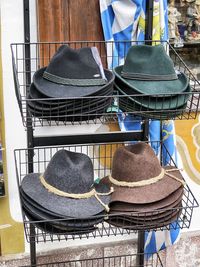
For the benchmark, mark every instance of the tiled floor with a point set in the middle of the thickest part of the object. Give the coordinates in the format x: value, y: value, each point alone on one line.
x: 186, y: 253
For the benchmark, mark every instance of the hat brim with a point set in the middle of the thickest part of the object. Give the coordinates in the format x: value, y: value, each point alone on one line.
x: 155, y: 87
x: 154, y: 103
x: 154, y: 215
x: 66, y: 105
x: 158, y: 206
x: 52, y: 229
x: 40, y: 213
x: 76, y: 208
x: 162, y: 115
x: 146, y: 194
x: 126, y: 223
x: 55, y: 90
x: 78, y: 116
x: 89, y: 107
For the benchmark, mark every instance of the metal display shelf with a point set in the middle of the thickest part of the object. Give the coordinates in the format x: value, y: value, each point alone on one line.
x: 101, y: 156
x: 39, y: 54
x: 27, y: 58
x: 111, y: 261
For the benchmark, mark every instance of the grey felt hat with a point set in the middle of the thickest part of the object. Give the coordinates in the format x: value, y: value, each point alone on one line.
x: 48, y: 227
x: 67, y: 186
x: 40, y: 213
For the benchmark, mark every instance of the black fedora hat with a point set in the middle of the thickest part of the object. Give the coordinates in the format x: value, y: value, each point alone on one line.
x: 36, y: 101
x: 67, y: 186
x: 96, y: 111
x: 73, y: 73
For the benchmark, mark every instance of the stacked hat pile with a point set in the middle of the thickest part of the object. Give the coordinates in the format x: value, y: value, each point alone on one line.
x: 64, y: 199
x: 73, y: 87
x: 149, y: 84
x: 145, y: 195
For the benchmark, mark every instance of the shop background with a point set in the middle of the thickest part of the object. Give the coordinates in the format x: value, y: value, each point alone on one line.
x: 12, y: 27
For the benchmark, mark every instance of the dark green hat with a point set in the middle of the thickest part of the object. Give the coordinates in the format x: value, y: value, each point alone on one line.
x: 149, y: 70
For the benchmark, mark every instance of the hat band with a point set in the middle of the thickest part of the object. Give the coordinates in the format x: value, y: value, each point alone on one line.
x: 144, y: 76
x: 89, y: 194
x: 74, y: 82
x: 152, y: 180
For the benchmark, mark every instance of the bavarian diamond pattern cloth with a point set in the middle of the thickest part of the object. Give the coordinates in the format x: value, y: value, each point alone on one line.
x: 122, y: 21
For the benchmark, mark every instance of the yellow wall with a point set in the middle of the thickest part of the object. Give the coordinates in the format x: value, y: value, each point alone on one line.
x: 11, y: 232
x: 188, y: 145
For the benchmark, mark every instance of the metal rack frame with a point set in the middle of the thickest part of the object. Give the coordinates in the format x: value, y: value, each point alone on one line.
x: 101, y: 157
x: 33, y: 141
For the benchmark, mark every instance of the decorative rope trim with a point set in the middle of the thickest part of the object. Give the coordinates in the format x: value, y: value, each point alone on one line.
x: 89, y: 194
x: 146, y: 182
x: 151, y: 77
x: 74, y: 82
x: 174, y: 177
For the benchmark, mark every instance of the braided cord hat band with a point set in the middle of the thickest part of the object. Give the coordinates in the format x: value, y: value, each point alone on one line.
x: 86, y: 195
x: 152, y: 180
x: 74, y: 82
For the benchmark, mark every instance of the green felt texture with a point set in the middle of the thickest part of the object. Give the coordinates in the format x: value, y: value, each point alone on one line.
x: 155, y: 103
x: 148, y: 59
x: 155, y: 87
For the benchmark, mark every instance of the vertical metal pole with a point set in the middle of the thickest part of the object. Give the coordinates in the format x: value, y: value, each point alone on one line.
x: 140, y: 244
x: 148, y: 38
x: 149, y: 21
x: 140, y: 249
x: 28, y: 117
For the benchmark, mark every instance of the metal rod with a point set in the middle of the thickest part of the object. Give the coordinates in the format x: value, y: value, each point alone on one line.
x: 145, y: 128
x: 149, y: 21
x: 32, y: 246
x: 140, y: 249
x: 29, y: 122
x: 88, y: 138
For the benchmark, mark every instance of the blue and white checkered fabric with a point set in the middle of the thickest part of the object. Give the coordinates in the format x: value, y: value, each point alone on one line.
x: 124, y: 20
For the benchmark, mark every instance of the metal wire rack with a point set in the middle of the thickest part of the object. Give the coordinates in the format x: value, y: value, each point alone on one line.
x: 112, y: 261
x: 109, y: 224
x: 95, y: 109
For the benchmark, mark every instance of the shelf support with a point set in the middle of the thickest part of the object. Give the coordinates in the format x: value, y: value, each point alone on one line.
x: 29, y: 122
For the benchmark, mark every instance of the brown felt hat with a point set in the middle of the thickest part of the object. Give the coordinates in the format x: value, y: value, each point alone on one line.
x: 150, y: 216
x: 132, y: 224
x: 138, y: 177
x: 147, y: 209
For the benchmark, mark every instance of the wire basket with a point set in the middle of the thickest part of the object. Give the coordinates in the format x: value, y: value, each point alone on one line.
x: 27, y: 58
x: 112, y: 261
x: 101, y: 156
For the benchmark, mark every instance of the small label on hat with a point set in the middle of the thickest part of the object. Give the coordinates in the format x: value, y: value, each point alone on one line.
x: 96, y: 75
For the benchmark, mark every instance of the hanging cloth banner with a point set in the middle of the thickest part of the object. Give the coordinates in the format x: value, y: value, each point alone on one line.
x: 122, y: 21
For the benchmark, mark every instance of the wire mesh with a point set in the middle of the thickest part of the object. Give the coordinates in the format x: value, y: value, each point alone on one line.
x: 96, y: 109
x: 108, y: 224
x: 112, y: 261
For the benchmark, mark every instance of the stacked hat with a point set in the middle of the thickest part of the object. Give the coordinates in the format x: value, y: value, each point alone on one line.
x: 74, y: 86
x: 149, y: 84
x: 145, y: 195
x: 64, y: 199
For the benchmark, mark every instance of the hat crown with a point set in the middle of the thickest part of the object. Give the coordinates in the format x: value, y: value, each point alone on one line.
x: 148, y: 60
x: 71, y: 63
x: 135, y: 163
x: 70, y: 172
